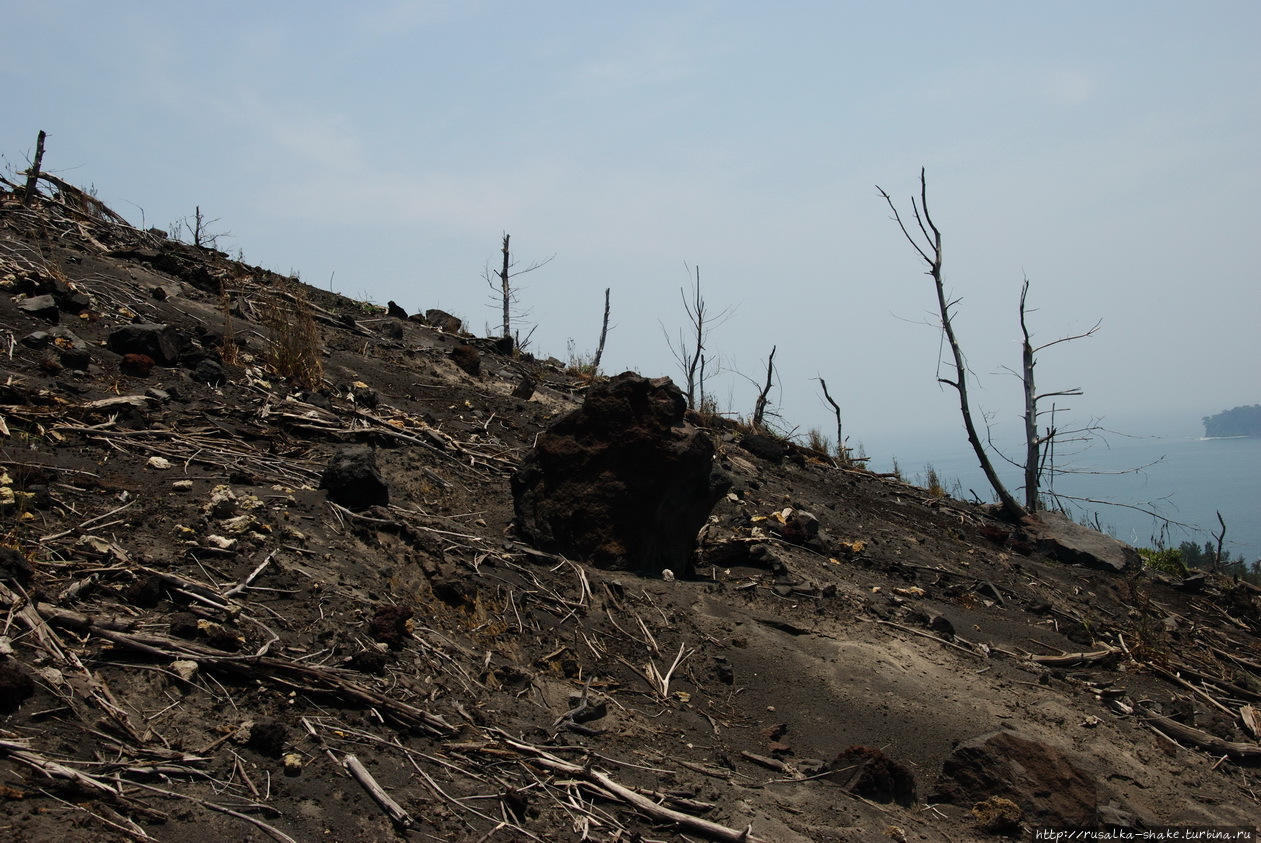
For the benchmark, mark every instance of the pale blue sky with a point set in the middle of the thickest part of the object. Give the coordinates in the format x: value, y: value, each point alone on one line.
x: 1109, y: 150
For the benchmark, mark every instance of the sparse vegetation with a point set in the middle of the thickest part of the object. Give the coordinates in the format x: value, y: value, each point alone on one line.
x: 817, y: 441
x: 294, y: 339
x: 579, y: 364
x: 933, y: 482
x: 1167, y: 560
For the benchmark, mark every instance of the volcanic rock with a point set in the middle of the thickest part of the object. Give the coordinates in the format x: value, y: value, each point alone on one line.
x: 1041, y: 779
x: 621, y: 482
x: 209, y: 372
x: 14, y: 566
x: 77, y: 359
x: 391, y: 625
x: 465, y: 356
x: 353, y: 481
x: 15, y: 686
x: 444, y: 321
x: 764, y: 447
x: 871, y: 774
x: 1059, y: 537
x: 161, y: 342
x: 136, y: 365
x: 43, y: 307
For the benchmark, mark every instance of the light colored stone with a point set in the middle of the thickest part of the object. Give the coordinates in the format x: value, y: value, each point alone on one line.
x: 185, y: 669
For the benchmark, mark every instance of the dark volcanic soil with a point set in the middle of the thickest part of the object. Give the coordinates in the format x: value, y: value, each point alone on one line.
x: 196, y: 640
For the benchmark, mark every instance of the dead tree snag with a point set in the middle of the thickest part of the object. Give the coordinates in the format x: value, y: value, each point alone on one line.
x: 32, y: 174
x: 930, y: 251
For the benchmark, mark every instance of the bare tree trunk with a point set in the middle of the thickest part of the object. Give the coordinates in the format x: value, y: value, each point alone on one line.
x: 1034, y: 458
x: 932, y: 235
x: 759, y: 409
x: 840, y: 441
x: 700, y: 385
x: 604, y: 332
x: 507, y: 291
x: 1221, y: 537
x: 1032, y: 442
x: 32, y: 175
x: 698, y: 321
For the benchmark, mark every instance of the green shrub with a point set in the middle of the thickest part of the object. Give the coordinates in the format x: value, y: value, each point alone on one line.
x: 1167, y: 560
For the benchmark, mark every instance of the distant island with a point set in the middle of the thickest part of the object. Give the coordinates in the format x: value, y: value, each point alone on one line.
x: 1241, y: 421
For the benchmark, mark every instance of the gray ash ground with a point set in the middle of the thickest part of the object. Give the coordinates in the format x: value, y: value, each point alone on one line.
x: 192, y: 628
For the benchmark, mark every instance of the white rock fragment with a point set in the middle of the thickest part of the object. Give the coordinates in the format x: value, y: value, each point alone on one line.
x: 159, y: 463
x: 222, y: 503
x: 238, y: 524
x: 185, y: 669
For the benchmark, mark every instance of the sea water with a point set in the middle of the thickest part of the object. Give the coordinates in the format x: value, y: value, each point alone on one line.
x: 1184, y: 479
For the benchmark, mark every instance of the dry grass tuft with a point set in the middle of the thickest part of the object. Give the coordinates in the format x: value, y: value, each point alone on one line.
x: 295, y: 340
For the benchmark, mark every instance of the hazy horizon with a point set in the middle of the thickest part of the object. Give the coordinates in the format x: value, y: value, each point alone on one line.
x: 1108, y: 152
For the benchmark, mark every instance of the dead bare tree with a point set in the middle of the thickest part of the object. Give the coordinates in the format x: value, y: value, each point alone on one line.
x: 1221, y: 537
x: 32, y: 173
x: 1035, y: 466
x: 841, y: 451
x: 604, y: 332
x: 690, y: 351
x: 759, y: 408
x: 507, y: 294
x: 199, y: 230
x: 929, y: 250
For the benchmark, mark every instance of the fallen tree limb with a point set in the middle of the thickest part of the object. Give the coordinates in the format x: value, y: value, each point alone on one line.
x: 291, y: 674
x: 53, y: 769
x: 1076, y: 659
x: 643, y: 804
x: 360, y: 774
x: 1203, y: 740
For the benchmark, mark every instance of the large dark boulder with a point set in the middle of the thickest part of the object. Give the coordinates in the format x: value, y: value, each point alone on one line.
x: 1042, y: 780
x: 163, y: 343
x: 871, y: 774
x: 622, y: 482
x: 443, y: 321
x: 353, y: 481
x: 42, y: 307
x: 1060, y: 538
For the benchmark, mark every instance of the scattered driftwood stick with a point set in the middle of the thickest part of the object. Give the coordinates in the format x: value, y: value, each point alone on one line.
x: 770, y: 763
x: 87, y: 523
x: 1229, y: 687
x: 643, y: 804
x: 245, y: 583
x: 223, y: 809
x: 378, y: 794
x: 79, y: 622
x: 931, y: 637
x: 1203, y: 740
x: 1252, y: 719
x: 1075, y: 659
x: 53, y: 769
x: 193, y: 590
x: 291, y: 674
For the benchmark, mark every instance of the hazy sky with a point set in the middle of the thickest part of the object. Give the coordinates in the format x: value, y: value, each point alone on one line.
x: 1110, y: 151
